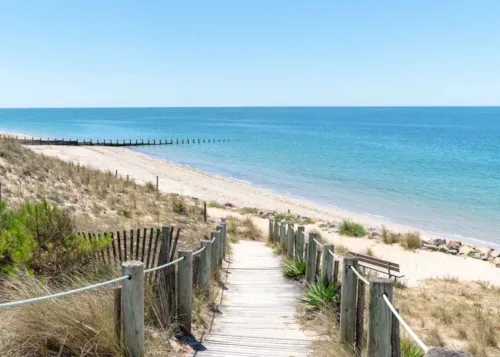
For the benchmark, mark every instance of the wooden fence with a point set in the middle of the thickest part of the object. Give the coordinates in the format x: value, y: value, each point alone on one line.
x: 112, y: 142
x: 175, y: 275
x: 323, y: 265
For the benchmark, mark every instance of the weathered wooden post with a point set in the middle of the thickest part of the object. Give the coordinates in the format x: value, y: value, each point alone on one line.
x: 311, y: 259
x: 335, y: 278
x: 214, y: 259
x: 327, y: 268
x: 360, y: 317
x: 299, y: 243
x: 116, y: 173
x: 380, y: 318
x: 220, y: 246
x: 348, y: 302
x: 290, y: 240
x: 223, y: 223
x: 133, y: 308
x: 206, y: 257
x: 271, y: 227
x: 395, y: 337
x: 157, y: 184
x: 276, y: 232
x: 205, y: 211
x: 185, y: 290
x: 117, y: 293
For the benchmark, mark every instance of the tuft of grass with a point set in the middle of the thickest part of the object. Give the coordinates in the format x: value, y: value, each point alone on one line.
x: 389, y: 237
x: 248, y: 210
x: 353, y: 229
x: 179, y: 208
x: 410, y: 349
x: 242, y: 229
x: 483, y: 284
x: 434, y: 337
x: 319, y: 294
x: 150, y: 187
x: 411, y: 241
x: 125, y: 213
x: 369, y: 252
x: 341, y: 250
x: 400, y: 283
x: 214, y: 204
x: 294, y: 269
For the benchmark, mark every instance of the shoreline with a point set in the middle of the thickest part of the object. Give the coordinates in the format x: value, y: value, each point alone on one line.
x: 274, y: 200
x: 175, y: 178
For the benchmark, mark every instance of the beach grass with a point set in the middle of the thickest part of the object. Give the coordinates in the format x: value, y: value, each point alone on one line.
x: 352, y: 229
x: 294, y: 269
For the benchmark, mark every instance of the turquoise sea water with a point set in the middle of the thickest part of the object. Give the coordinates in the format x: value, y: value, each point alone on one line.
x: 433, y: 168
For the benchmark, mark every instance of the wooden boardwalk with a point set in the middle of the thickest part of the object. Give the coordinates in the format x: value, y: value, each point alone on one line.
x: 257, y: 314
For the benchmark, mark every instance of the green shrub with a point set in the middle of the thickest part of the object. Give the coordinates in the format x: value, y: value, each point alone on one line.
x: 294, y: 269
x: 179, y: 208
x: 214, y: 204
x: 150, y: 187
x: 411, y: 241
x: 410, y: 349
x: 248, y: 210
x: 389, y: 237
x: 319, y: 294
x: 42, y: 239
x: 353, y: 229
x: 125, y: 213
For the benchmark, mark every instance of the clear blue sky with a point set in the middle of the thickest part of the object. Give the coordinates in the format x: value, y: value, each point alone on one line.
x: 234, y: 52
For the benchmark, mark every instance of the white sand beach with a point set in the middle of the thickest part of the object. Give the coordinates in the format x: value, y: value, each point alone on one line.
x: 175, y: 178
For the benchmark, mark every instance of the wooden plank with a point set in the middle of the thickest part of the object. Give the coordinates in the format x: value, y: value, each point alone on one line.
x: 149, y: 252
x: 360, y: 316
x: 113, y: 243
x: 154, y: 259
x: 125, y: 254
x: 131, y: 244
x: 395, y: 337
x: 108, y: 250
x: 380, y: 318
x: 143, y: 243
x: 311, y: 259
x: 137, y: 244
x: 118, y: 237
x: 299, y: 244
x: 327, y: 268
x: 348, y: 302
x: 375, y: 261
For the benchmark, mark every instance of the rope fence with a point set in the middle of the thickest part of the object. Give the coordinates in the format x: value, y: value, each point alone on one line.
x: 65, y: 293
x: 360, y: 277
x: 318, y: 243
x: 199, y: 250
x: 163, y: 266
x: 405, y: 325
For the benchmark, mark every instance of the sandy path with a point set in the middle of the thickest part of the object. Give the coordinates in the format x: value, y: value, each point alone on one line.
x: 187, y: 181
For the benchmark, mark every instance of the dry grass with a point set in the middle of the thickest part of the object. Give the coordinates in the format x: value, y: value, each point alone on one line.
x: 450, y: 313
x: 411, y: 241
x: 242, y: 229
x: 98, y: 200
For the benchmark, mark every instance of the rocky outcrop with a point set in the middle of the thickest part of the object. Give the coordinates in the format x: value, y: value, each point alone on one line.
x: 444, y: 352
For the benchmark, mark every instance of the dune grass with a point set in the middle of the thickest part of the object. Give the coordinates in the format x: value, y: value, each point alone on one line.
x: 318, y: 295
x: 411, y: 241
x: 294, y: 269
x: 352, y: 229
x: 245, y: 228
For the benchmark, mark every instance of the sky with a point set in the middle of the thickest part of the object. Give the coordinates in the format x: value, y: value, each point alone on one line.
x: 126, y: 53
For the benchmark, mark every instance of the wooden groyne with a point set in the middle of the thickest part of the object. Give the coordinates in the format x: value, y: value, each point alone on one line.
x: 117, y: 142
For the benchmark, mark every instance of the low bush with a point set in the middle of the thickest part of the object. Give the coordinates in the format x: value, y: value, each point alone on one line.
x: 389, y: 237
x: 214, y: 204
x: 294, y: 269
x: 353, y: 229
x: 410, y: 349
x: 179, y: 208
x: 411, y: 241
x: 42, y: 239
x: 319, y: 294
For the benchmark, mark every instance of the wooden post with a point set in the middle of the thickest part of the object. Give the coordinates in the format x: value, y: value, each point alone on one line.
x: 220, y: 249
x: 271, y: 227
x: 117, y: 292
x: 185, y: 290
x: 311, y: 259
x: 276, y: 232
x: 157, y: 185
x: 133, y: 308
x: 327, y: 268
x: 348, y: 302
x: 282, y: 233
x: 205, y: 211
x: 214, y: 261
x: 206, y: 257
x: 299, y: 244
x: 116, y: 174
x: 380, y: 318
x: 290, y: 241
x: 360, y: 316
x: 395, y: 337
x: 335, y: 278
x: 223, y: 223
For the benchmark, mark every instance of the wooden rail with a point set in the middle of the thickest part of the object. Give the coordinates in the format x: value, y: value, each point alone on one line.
x: 113, y: 142
x: 383, y: 336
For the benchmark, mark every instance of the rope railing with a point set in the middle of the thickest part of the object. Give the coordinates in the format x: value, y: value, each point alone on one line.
x: 360, y: 277
x: 405, y: 325
x: 64, y: 293
x: 331, y: 253
x: 199, y: 251
x: 318, y: 243
x: 163, y: 266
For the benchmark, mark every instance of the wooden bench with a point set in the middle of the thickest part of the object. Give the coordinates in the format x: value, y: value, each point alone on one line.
x: 382, y: 266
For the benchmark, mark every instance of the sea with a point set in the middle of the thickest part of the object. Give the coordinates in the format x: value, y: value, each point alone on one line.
x: 433, y: 168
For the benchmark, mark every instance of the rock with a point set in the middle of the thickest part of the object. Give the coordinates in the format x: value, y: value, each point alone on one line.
x: 452, y: 251
x: 495, y: 253
x: 465, y: 249
x: 376, y: 233
x: 228, y: 205
x: 497, y: 262
x: 479, y: 255
x: 485, y: 251
x: 442, y: 248
x: 453, y: 244
x: 444, y: 352
x: 437, y: 242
